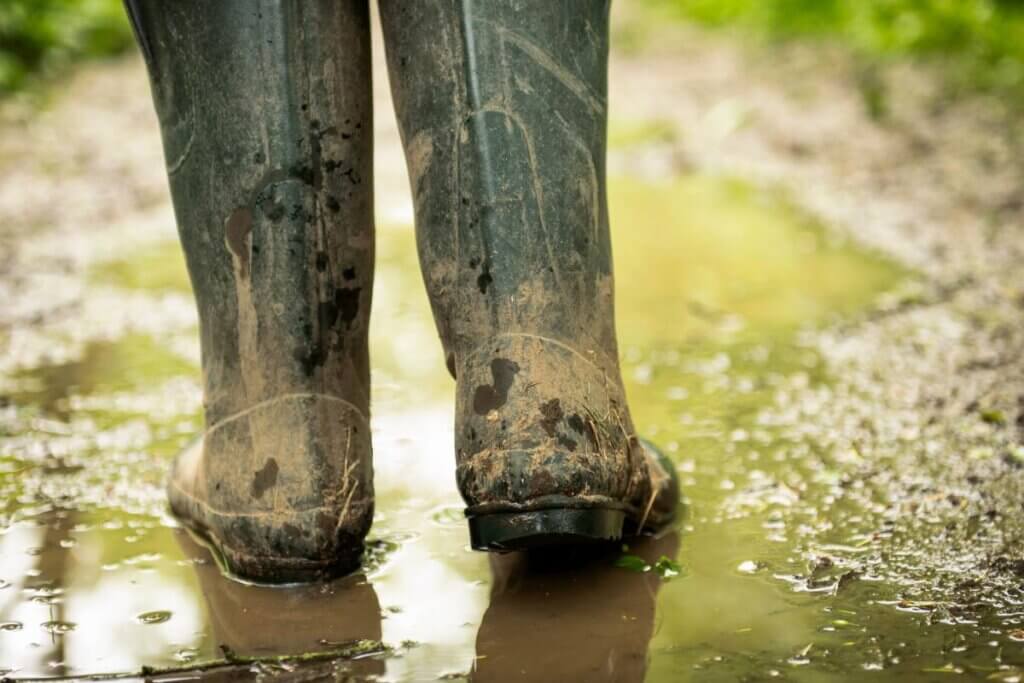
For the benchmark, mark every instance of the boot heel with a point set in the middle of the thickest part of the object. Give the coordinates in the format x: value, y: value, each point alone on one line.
x: 504, y: 531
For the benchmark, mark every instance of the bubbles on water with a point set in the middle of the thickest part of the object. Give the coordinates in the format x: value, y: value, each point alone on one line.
x: 186, y: 654
x: 448, y: 516
x: 58, y: 628
x: 749, y: 567
x: 801, y: 658
x: 45, y: 595
x: 155, y: 617
x: 144, y: 558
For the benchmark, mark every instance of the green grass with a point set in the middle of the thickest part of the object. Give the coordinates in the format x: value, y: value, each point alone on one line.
x: 43, y: 37
x: 979, y: 42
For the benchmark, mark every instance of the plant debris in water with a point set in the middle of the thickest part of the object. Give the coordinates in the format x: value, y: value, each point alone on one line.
x: 665, y: 567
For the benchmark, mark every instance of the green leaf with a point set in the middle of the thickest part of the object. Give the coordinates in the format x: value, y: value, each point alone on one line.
x: 632, y: 563
x: 667, y: 568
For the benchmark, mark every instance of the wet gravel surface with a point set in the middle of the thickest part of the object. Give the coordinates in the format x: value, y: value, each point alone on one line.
x: 923, y: 421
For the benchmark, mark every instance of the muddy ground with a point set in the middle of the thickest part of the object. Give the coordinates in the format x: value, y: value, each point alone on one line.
x: 905, y: 507
x: 926, y: 413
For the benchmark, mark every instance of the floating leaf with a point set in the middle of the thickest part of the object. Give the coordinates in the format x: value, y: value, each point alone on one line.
x: 667, y: 568
x: 632, y: 563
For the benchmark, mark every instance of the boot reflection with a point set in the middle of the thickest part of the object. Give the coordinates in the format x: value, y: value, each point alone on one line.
x: 569, y: 615
x: 262, y: 621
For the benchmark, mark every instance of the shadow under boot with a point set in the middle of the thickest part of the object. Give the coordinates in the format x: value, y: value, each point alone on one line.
x: 266, y: 119
x: 503, y: 114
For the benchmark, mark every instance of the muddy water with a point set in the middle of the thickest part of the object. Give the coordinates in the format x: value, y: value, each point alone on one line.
x: 718, y: 283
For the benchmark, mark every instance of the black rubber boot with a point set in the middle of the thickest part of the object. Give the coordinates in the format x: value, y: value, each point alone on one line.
x: 266, y: 118
x: 503, y: 114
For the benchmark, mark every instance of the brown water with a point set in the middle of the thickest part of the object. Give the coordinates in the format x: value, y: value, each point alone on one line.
x: 717, y: 284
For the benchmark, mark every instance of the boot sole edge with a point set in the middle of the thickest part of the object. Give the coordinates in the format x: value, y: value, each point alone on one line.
x: 271, y: 569
x: 522, y: 530
x: 259, y: 568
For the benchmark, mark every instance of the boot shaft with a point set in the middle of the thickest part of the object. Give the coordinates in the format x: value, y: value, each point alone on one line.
x: 503, y: 114
x: 265, y: 111
x: 267, y: 124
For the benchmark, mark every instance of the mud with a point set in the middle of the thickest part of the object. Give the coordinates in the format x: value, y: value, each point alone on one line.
x: 918, y: 428
x: 836, y: 384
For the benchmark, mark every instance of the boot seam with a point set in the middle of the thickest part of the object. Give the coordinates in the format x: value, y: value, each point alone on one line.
x: 540, y: 337
x: 284, y: 397
x: 209, y: 509
x: 551, y: 502
x: 207, y: 538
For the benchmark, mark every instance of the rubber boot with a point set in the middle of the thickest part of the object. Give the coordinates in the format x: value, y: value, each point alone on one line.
x: 265, y: 112
x: 502, y: 107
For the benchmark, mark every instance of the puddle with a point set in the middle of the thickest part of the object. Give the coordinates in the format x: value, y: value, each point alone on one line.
x: 717, y: 282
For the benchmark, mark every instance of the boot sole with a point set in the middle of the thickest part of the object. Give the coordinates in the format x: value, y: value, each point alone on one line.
x: 271, y: 569
x: 507, y: 531
x: 263, y: 569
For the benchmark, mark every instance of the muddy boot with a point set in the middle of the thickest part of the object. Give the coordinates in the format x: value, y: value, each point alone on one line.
x: 266, y: 118
x: 503, y: 110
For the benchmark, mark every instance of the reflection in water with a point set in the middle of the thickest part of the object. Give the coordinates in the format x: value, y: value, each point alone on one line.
x: 262, y: 621
x: 570, y: 617
x: 565, y: 615
x: 46, y: 586
x: 79, y: 588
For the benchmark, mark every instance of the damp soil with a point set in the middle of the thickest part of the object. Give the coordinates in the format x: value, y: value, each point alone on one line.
x: 836, y: 405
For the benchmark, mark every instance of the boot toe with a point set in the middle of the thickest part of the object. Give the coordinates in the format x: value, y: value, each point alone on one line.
x: 662, y: 503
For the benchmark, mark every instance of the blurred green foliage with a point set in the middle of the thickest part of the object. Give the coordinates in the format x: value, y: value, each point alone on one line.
x: 981, y: 41
x: 43, y: 36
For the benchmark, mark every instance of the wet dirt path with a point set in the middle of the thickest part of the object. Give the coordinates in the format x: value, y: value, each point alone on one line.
x: 837, y: 396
